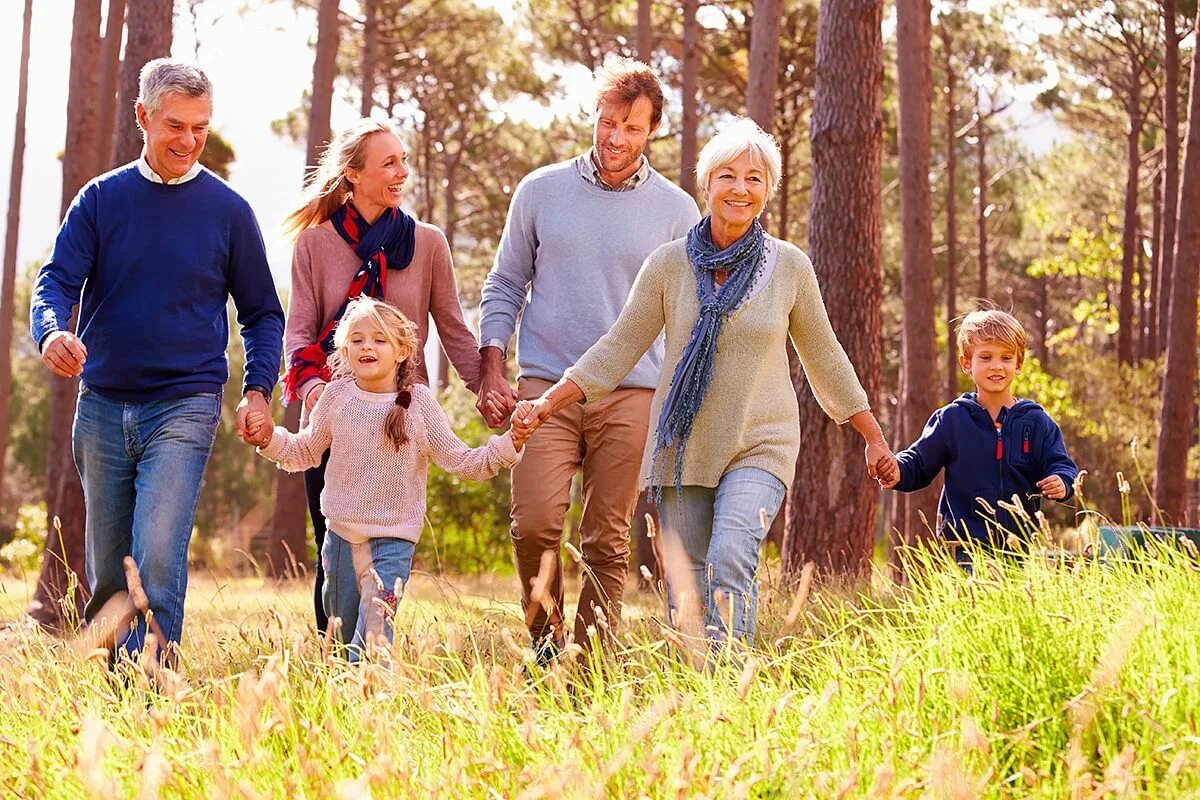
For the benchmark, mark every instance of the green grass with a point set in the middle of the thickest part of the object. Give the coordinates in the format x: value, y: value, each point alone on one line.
x: 1028, y: 680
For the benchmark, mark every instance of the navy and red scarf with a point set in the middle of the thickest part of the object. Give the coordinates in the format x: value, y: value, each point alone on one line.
x: 385, y: 244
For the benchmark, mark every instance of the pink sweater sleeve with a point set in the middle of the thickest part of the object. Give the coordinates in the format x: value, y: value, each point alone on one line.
x: 296, y: 452
x: 453, y: 454
x: 459, y: 342
x: 303, y: 324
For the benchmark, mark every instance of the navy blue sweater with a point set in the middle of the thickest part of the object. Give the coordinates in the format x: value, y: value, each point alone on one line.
x: 152, y: 266
x: 981, y: 462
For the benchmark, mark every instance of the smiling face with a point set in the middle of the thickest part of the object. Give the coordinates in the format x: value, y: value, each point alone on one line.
x: 737, y: 191
x: 992, y: 366
x: 373, y: 356
x: 379, y: 182
x: 175, y: 133
x: 620, y: 136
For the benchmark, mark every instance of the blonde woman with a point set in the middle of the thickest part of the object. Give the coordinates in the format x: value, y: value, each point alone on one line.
x: 353, y: 239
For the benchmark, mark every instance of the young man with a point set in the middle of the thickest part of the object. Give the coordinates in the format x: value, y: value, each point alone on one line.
x: 151, y: 252
x: 576, y: 236
x: 991, y: 445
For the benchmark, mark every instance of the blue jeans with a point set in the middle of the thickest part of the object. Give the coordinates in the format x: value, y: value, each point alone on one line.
x: 363, y: 586
x: 141, y: 465
x: 719, y: 531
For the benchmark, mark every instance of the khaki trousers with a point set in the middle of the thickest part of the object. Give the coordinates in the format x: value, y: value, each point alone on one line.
x: 605, y: 439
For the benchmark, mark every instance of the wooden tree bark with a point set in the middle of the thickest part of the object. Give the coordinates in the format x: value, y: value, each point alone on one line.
x: 110, y: 65
x: 1177, y: 426
x: 981, y: 192
x: 645, y: 31
x: 1150, y: 346
x: 367, y: 65
x: 285, y: 542
x: 324, y: 70
x: 63, y: 558
x: 831, y: 508
x: 764, y: 63
x: 688, y: 149
x: 1125, y: 303
x: 149, y: 37
x: 12, y: 229
x: 951, y: 216
x: 1170, y: 177
x: 918, y: 339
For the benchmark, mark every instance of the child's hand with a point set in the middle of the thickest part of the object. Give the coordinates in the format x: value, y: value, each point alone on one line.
x: 259, y: 428
x: 1053, y: 487
x: 527, y: 416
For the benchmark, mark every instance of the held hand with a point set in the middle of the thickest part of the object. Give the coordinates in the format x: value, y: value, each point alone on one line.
x: 64, y: 354
x: 529, y: 415
x: 252, y: 401
x: 496, y: 398
x: 1053, y: 487
x: 314, y: 394
x: 881, y: 464
x: 259, y: 429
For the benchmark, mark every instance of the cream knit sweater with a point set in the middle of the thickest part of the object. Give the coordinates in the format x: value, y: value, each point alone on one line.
x: 749, y: 417
x: 372, y: 490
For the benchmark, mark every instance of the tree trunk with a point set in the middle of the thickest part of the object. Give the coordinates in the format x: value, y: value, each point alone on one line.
x: 645, y: 31
x: 148, y: 37
x: 1170, y: 177
x: 12, y: 229
x: 688, y: 148
x: 285, y: 543
x: 918, y: 338
x: 785, y: 190
x: 110, y: 58
x: 1150, y: 348
x: 1125, y: 302
x: 367, y: 67
x: 951, y: 220
x: 1177, y: 427
x: 764, y: 63
x: 831, y: 508
x: 1041, y: 317
x: 1140, y: 299
x: 981, y: 182
x: 324, y: 70
x: 53, y: 605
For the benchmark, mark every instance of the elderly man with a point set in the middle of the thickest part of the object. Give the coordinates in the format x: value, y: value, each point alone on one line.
x: 151, y: 252
x: 576, y: 236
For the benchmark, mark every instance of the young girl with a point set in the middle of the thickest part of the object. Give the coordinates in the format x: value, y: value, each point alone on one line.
x: 381, y: 428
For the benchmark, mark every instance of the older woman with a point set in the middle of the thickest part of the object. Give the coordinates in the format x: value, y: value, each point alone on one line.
x: 728, y: 430
x: 354, y: 239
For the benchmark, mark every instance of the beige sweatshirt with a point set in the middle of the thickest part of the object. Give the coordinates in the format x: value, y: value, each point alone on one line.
x: 749, y: 417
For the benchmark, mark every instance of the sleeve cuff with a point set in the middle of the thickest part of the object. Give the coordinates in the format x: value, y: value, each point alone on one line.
x: 275, y: 449
x: 496, y: 343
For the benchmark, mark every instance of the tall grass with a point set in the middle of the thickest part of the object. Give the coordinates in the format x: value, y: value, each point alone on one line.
x: 1029, y: 679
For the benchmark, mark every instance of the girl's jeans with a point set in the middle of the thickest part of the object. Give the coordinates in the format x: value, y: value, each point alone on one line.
x: 718, y: 532
x: 363, y: 586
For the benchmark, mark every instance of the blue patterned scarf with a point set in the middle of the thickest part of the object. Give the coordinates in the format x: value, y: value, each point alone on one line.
x: 693, y: 373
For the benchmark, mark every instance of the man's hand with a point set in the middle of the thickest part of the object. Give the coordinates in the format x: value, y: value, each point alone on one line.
x: 1053, y: 487
x: 253, y: 400
x: 496, y: 398
x: 881, y: 464
x: 64, y: 354
x: 314, y: 394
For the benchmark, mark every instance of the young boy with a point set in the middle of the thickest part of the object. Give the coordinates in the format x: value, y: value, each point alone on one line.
x: 991, y: 445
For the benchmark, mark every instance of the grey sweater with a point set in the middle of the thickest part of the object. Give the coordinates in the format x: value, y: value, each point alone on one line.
x: 568, y: 258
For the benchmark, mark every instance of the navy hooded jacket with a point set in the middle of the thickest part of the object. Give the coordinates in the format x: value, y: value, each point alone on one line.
x: 984, y: 463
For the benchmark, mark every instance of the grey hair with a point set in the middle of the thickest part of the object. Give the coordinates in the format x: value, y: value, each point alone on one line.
x: 164, y: 76
x: 731, y: 141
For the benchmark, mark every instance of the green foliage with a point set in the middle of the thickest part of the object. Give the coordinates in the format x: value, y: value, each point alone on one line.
x: 218, y: 154
x: 467, y: 522
x: 23, y: 553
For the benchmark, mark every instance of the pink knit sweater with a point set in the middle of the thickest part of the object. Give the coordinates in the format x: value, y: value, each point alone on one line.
x: 372, y: 490
x: 322, y: 267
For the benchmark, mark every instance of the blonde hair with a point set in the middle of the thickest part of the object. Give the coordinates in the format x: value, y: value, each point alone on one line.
x: 400, y: 332
x: 730, y: 142
x: 328, y: 188
x: 991, y: 325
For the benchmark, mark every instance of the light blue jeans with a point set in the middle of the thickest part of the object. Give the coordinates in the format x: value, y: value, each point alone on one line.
x: 141, y: 465
x: 719, y: 531
x: 363, y: 586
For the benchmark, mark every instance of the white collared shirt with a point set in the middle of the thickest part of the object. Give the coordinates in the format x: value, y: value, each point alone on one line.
x: 149, y: 174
